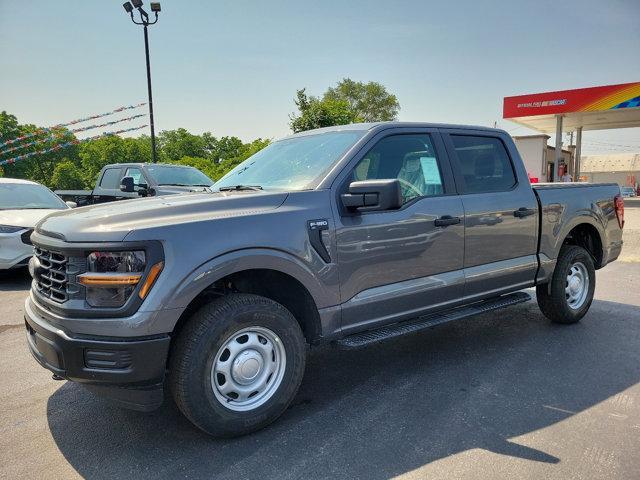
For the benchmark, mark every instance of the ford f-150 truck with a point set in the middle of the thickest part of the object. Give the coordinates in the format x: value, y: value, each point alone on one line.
x: 352, y: 234
x: 122, y: 181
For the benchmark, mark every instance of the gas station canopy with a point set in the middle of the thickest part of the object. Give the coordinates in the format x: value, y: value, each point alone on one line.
x: 595, y: 108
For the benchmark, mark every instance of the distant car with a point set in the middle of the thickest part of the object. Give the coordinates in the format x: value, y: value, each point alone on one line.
x: 628, y: 191
x: 22, y: 205
x: 122, y: 181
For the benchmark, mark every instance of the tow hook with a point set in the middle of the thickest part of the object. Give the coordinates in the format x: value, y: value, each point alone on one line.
x: 56, y: 377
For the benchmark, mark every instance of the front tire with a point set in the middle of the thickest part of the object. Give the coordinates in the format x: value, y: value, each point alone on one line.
x: 568, y: 296
x: 237, y: 364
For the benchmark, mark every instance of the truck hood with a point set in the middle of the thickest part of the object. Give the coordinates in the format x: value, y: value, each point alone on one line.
x: 112, y: 222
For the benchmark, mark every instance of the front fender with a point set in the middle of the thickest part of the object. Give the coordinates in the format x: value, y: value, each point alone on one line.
x: 322, y: 286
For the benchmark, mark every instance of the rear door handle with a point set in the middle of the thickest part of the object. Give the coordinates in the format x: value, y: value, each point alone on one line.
x: 523, y: 212
x: 446, y: 220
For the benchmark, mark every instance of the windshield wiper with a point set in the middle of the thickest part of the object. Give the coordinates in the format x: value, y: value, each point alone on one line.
x: 238, y: 188
x: 174, y: 184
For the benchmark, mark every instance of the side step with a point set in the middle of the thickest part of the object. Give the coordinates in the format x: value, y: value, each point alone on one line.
x: 362, y: 339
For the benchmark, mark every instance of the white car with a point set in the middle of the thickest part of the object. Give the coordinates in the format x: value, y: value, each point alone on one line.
x: 22, y: 205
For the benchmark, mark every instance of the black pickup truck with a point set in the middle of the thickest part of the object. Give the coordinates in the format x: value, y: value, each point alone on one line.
x: 122, y: 181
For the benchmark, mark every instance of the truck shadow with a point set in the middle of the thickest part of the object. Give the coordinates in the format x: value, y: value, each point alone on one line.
x: 382, y: 411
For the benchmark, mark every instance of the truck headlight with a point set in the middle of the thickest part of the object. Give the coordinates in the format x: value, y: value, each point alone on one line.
x: 112, y: 277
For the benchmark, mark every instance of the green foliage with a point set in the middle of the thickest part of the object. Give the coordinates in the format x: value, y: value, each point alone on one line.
x: 347, y: 102
x: 216, y: 169
x: 174, y: 144
x: 318, y: 113
x: 370, y: 102
x: 66, y: 176
x: 78, y: 166
x: 110, y: 149
x: 39, y: 167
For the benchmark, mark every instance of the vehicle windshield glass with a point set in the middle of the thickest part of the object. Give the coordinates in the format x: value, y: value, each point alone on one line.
x: 19, y: 196
x: 292, y: 163
x: 188, y: 176
x: 627, y: 189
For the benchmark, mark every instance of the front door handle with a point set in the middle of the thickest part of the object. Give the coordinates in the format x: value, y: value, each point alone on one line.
x: 523, y: 212
x: 446, y: 220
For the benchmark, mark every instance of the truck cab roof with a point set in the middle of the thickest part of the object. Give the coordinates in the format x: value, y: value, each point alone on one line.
x: 392, y: 124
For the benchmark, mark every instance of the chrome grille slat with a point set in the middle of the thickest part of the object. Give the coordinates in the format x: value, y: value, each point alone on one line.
x: 51, y: 278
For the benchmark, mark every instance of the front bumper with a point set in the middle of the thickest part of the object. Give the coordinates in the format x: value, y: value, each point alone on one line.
x: 129, y: 371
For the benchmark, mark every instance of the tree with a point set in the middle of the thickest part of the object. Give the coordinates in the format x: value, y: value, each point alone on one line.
x: 38, y: 167
x: 110, y: 149
x: 318, y: 113
x: 66, y: 176
x: 347, y: 102
x: 175, y: 144
x: 370, y: 102
x: 222, y: 148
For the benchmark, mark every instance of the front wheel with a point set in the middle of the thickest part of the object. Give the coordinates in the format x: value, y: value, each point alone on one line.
x: 237, y: 364
x: 568, y: 296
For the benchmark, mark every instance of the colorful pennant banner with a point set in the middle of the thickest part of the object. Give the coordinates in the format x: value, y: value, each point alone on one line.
x: 67, y: 144
x: 58, y: 134
x: 79, y: 120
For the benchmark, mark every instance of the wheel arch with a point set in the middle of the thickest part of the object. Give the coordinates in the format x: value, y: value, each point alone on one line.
x: 269, y: 273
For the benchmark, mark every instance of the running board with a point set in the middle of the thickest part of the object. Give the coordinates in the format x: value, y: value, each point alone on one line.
x: 363, y: 339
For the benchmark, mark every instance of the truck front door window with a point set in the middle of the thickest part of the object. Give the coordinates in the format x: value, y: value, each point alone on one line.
x: 136, y: 174
x: 409, y: 158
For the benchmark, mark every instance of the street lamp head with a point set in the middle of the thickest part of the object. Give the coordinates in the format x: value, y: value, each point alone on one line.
x: 137, y: 3
x: 155, y: 6
x: 128, y: 7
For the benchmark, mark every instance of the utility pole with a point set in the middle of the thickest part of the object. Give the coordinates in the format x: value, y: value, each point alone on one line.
x: 144, y: 21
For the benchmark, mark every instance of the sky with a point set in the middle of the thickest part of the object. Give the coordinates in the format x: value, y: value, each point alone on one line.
x: 233, y: 67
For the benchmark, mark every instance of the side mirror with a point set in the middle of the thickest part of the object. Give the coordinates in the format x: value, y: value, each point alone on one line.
x: 372, y: 195
x: 71, y: 204
x: 127, y: 185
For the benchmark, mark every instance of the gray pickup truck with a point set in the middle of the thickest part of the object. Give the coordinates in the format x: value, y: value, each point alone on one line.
x: 122, y: 181
x: 352, y: 234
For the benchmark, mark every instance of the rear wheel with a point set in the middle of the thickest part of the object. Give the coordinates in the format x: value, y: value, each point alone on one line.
x: 568, y: 296
x: 237, y: 364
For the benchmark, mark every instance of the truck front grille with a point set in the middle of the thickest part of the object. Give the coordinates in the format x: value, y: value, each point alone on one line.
x: 51, y: 276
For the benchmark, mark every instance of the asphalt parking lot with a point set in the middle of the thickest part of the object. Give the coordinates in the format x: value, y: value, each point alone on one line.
x: 503, y: 395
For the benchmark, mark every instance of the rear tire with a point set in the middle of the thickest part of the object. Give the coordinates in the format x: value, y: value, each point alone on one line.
x: 237, y: 364
x: 568, y: 296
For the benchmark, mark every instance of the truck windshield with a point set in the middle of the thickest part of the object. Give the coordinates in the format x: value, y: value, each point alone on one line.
x: 21, y: 196
x: 292, y: 163
x: 187, y: 176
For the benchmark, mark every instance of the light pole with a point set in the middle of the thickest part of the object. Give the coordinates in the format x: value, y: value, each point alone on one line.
x: 144, y: 20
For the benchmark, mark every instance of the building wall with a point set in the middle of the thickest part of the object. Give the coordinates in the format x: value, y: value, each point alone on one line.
x: 620, y: 168
x: 531, y: 150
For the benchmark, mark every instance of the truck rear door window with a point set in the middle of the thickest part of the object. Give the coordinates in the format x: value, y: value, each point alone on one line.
x: 485, y: 164
x: 111, y: 179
